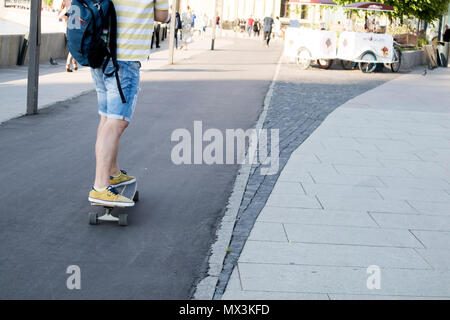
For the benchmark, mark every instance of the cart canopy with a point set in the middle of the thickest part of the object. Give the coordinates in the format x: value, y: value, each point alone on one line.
x: 315, y: 2
x: 370, y: 6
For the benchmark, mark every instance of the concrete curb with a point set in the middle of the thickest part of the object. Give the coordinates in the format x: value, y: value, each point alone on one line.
x: 206, y: 287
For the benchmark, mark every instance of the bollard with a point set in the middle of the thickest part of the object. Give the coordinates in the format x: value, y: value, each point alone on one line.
x: 23, y: 51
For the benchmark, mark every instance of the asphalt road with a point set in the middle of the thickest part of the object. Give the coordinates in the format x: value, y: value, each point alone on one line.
x: 47, y: 164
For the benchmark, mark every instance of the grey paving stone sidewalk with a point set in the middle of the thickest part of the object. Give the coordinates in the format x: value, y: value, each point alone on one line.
x: 369, y: 187
x: 300, y: 102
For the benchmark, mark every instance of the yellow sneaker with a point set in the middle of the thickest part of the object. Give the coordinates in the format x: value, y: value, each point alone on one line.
x: 109, y: 197
x: 121, y: 180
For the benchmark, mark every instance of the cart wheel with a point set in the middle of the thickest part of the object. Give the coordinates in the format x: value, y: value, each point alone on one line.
x: 303, y: 58
x: 325, y: 63
x: 395, y: 66
x: 93, y: 218
x: 348, y: 65
x: 136, y: 196
x: 123, y: 219
x: 368, y: 67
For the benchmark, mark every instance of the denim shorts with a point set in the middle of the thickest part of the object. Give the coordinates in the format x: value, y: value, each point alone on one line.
x: 110, y: 103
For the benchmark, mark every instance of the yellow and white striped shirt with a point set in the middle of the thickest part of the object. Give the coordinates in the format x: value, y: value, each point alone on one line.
x: 135, y: 19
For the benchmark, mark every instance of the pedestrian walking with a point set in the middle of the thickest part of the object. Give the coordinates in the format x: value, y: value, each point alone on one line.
x: 70, y: 61
x: 134, y: 33
x: 155, y: 36
x: 193, y: 18
x: 242, y: 25
x: 268, y: 23
x: 446, y: 37
x: 277, y: 28
x: 256, y: 28
x: 205, y: 22
x: 187, y: 28
x: 164, y: 30
x: 198, y: 27
x: 250, y: 22
x: 218, y: 20
x: 178, y: 28
x: 235, y: 25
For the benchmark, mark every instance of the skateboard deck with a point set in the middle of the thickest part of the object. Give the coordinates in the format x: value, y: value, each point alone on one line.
x: 130, y: 191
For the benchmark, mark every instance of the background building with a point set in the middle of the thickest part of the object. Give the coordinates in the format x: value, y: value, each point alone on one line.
x: 232, y: 9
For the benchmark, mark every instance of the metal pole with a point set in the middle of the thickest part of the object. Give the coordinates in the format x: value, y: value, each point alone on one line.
x: 33, y: 64
x: 221, y: 16
x: 213, y: 38
x: 173, y: 25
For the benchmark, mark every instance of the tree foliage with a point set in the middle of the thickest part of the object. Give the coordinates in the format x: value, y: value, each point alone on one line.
x: 426, y: 10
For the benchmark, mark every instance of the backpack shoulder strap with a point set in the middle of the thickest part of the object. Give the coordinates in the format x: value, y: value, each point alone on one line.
x: 113, y: 32
x: 113, y: 47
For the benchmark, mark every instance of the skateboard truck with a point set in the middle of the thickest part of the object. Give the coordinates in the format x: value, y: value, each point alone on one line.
x: 122, y: 219
x: 108, y: 216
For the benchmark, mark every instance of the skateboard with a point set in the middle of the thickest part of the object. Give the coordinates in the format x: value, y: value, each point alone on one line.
x: 130, y: 191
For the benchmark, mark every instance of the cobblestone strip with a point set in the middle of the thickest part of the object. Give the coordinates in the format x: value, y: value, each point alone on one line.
x: 207, y: 287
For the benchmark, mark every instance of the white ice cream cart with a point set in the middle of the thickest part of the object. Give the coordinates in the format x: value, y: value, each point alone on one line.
x: 305, y: 45
x: 367, y: 49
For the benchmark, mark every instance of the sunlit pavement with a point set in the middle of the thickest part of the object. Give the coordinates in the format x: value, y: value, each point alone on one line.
x: 362, y: 208
x: 363, y: 191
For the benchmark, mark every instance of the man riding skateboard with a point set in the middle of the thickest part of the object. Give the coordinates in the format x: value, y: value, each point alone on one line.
x: 135, y: 21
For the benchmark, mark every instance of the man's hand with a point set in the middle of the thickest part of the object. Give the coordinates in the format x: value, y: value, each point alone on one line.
x: 161, y: 15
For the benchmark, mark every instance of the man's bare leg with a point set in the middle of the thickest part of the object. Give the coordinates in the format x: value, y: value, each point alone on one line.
x: 115, y: 167
x: 100, y: 125
x: 106, y: 149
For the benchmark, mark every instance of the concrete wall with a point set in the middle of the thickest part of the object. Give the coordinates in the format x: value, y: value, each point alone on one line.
x: 412, y: 59
x: 9, y: 49
x: 52, y: 45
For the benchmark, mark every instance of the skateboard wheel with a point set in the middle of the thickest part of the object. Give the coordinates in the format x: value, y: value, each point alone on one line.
x: 136, y: 196
x: 123, y: 219
x: 93, y: 218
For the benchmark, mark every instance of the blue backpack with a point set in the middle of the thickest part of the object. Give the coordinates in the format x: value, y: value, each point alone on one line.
x: 92, y: 35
